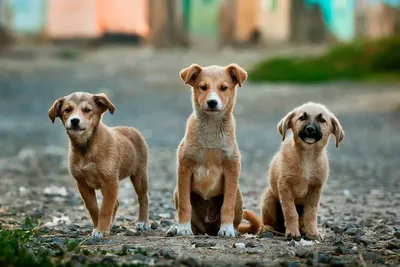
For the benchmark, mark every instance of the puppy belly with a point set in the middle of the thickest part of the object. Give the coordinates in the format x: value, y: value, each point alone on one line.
x: 207, y: 181
x: 206, y: 214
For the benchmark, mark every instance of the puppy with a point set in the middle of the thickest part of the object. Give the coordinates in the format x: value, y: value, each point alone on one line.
x: 99, y: 157
x: 299, y: 170
x: 207, y: 195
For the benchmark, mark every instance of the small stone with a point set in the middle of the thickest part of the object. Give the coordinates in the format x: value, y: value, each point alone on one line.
x: 167, y: 254
x: 191, y: 262
x: 291, y: 264
x: 371, y: 256
x: 340, y: 250
x: 251, y: 245
x: 266, y: 235
x: 353, y: 231
x: 336, y: 262
x: 338, y: 241
x: 204, y: 244
x: 397, y: 234
x: 154, y: 225
x: 354, y: 249
x: 392, y: 245
x: 338, y: 230
x: 380, y: 261
x: 166, y: 223
x: 240, y: 245
x: 129, y: 232
x: 324, y: 258
x: 110, y: 261
x: 301, y: 253
x: 254, y: 263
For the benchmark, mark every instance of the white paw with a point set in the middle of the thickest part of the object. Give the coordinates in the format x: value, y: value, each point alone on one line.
x: 142, y: 226
x: 96, y: 234
x: 227, y: 230
x: 184, y: 229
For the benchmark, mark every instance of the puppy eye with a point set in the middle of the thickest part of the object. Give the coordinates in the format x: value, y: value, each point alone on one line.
x: 203, y: 87
x: 86, y: 110
x: 322, y: 120
x: 67, y: 110
x: 223, y: 88
x: 302, y: 118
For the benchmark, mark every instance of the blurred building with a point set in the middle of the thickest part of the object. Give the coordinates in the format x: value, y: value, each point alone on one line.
x: 177, y: 22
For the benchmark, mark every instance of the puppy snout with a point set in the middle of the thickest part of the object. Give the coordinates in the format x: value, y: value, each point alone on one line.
x: 310, y: 130
x: 75, y: 122
x: 212, y: 103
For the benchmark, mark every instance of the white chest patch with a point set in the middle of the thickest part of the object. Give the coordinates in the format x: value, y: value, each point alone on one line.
x: 308, y: 169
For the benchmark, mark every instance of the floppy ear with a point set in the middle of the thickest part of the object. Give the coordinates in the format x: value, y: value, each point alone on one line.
x: 337, y: 130
x: 239, y: 75
x: 285, y: 124
x: 105, y: 103
x: 55, y: 109
x: 190, y: 74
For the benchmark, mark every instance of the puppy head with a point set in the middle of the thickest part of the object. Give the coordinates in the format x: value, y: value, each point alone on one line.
x: 214, y: 87
x: 80, y: 112
x: 311, y: 125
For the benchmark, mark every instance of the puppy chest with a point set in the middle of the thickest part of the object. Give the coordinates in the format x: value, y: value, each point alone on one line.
x: 88, y: 173
x: 208, y: 180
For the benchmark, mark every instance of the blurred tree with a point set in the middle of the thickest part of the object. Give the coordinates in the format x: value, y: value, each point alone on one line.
x: 167, y: 24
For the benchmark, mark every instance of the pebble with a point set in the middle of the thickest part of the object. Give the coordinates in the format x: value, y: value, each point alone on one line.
x: 155, y: 225
x: 371, y: 256
x: 338, y: 241
x: 353, y: 231
x: 336, y: 262
x: 204, y: 244
x: 393, y: 245
x: 240, y: 245
x: 340, y: 250
x: 167, y: 254
x: 254, y: 263
x: 324, y: 258
x: 266, y: 235
x: 129, y: 232
x: 397, y: 234
x: 338, y: 230
x: 166, y: 223
x: 190, y: 261
x: 380, y: 261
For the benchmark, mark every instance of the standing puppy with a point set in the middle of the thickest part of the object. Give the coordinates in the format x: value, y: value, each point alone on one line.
x: 207, y: 196
x: 299, y: 171
x: 99, y: 157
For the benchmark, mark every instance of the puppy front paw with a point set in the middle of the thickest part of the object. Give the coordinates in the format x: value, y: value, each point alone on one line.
x: 184, y: 229
x: 314, y: 235
x: 142, y: 226
x: 227, y: 230
x: 98, y: 234
x: 292, y: 232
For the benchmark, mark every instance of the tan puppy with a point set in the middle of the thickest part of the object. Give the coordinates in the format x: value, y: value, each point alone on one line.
x: 99, y: 157
x: 207, y: 196
x: 299, y: 171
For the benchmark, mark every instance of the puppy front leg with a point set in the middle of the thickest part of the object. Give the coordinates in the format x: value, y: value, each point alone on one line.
x: 184, y: 205
x: 289, y: 211
x: 311, y: 212
x: 231, y: 171
x: 89, y: 198
x: 110, y: 198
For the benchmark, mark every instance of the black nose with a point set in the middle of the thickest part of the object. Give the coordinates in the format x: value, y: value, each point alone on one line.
x: 310, y: 129
x: 75, y: 121
x: 212, y: 103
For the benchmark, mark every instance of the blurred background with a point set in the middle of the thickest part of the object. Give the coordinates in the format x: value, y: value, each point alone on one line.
x: 342, y: 53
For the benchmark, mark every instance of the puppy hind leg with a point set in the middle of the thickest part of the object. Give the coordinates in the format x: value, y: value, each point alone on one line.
x: 140, y: 183
x: 269, y: 211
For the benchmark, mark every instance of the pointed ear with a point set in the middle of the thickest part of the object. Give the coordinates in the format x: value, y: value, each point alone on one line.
x: 55, y: 109
x: 337, y: 130
x: 239, y: 75
x: 190, y: 74
x: 105, y: 103
x: 285, y: 124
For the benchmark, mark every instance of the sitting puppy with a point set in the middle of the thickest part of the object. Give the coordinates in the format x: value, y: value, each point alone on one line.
x: 207, y: 196
x: 99, y: 157
x: 299, y: 170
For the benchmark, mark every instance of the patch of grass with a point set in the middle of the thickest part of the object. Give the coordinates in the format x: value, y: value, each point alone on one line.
x: 371, y: 60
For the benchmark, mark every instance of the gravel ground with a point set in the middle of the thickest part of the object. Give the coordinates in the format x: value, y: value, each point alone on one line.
x: 359, y: 213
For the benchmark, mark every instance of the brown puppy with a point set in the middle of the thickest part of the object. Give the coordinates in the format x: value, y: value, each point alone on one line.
x: 207, y: 196
x: 299, y: 170
x: 99, y: 157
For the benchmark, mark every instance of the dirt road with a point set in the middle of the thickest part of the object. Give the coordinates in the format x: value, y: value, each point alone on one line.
x: 359, y: 212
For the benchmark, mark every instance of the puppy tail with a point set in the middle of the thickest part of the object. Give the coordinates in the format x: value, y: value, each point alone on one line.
x: 254, y: 225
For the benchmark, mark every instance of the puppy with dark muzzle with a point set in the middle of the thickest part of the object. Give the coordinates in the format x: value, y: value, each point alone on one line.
x: 100, y: 156
x: 299, y: 170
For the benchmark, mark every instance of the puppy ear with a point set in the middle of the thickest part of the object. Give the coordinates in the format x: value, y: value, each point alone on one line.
x: 239, y: 75
x: 105, y: 103
x: 190, y: 74
x: 55, y: 109
x: 337, y: 130
x: 285, y: 124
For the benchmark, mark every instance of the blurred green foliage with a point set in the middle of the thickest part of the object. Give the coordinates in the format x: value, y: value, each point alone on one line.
x: 369, y: 60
